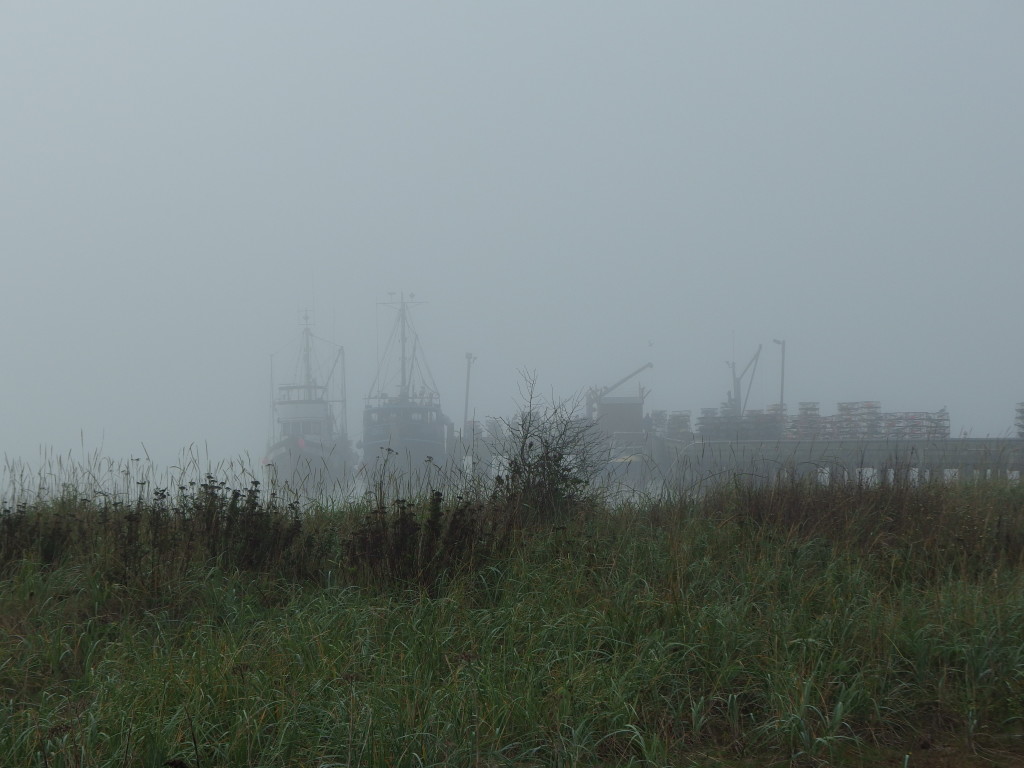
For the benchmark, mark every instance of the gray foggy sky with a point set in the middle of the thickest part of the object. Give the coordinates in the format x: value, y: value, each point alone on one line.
x: 575, y: 188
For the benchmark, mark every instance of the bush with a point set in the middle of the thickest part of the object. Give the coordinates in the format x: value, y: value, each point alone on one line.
x: 548, y: 456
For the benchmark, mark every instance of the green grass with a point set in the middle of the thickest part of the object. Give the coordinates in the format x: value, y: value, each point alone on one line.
x: 847, y: 625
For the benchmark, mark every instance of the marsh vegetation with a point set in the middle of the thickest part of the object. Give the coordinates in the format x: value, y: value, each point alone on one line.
x: 214, y: 623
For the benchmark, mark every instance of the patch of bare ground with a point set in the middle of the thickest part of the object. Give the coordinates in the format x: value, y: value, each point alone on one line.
x: 927, y: 754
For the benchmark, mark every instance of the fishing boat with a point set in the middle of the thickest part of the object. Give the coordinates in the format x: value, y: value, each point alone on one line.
x: 310, y: 448
x: 403, y: 424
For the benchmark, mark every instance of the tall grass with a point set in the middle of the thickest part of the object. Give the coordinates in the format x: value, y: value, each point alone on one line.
x: 209, y: 625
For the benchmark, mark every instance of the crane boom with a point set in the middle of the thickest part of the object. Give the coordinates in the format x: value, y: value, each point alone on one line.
x: 596, y: 393
x: 607, y: 390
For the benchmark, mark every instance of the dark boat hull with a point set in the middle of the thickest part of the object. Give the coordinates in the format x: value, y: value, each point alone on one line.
x: 311, y: 464
x: 404, y: 437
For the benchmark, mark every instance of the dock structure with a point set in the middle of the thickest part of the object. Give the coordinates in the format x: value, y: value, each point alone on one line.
x: 858, y: 443
x: 860, y: 420
x: 704, y: 462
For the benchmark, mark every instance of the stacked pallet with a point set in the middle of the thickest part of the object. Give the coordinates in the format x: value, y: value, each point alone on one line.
x: 916, y: 425
x: 673, y: 425
x: 763, y: 425
x: 808, y: 424
x: 712, y: 425
x: 678, y: 425
x: 860, y: 420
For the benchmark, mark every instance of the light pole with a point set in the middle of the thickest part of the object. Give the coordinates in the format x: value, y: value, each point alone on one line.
x: 470, y: 359
x: 782, y: 385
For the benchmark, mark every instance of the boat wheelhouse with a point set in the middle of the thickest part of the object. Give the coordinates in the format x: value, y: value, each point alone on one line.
x: 310, y: 447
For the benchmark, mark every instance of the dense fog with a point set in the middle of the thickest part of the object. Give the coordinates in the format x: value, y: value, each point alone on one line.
x: 573, y: 189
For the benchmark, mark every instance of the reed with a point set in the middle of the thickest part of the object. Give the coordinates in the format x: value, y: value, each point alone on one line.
x: 221, y: 625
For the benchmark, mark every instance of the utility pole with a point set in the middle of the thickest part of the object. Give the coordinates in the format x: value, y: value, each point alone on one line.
x: 470, y: 357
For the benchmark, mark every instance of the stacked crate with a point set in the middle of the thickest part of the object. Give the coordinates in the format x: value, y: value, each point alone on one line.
x: 709, y: 423
x: 762, y: 425
x: 860, y: 420
x: 674, y: 425
x: 938, y: 425
x: 659, y: 422
x: 907, y: 425
x: 808, y: 424
x: 678, y: 425
x: 916, y: 425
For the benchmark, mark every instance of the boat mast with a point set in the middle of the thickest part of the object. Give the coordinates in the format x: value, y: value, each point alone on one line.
x: 307, y: 358
x: 403, y: 343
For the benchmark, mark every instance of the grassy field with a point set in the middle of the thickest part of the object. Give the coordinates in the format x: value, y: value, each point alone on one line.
x: 211, y: 626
